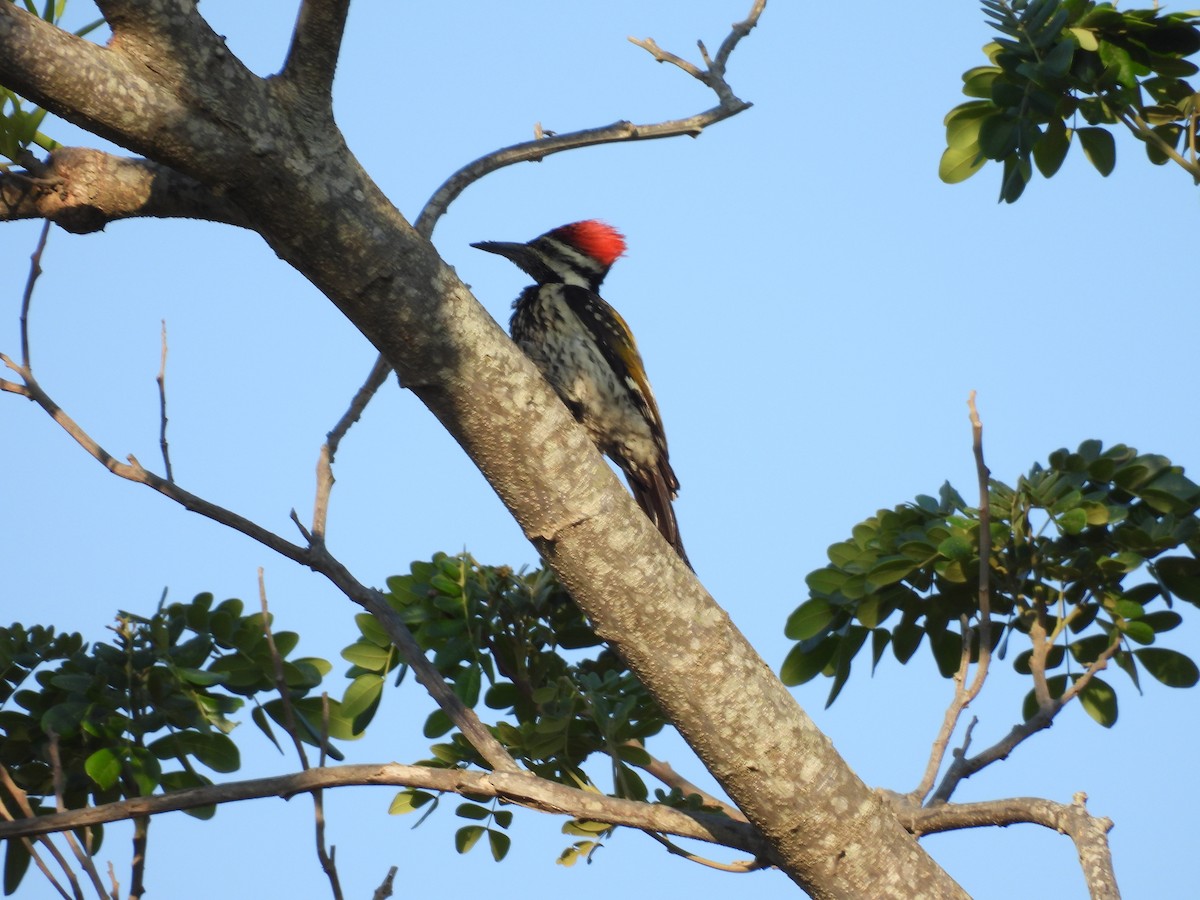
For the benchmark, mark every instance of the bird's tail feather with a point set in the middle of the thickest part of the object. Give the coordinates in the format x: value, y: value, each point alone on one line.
x: 654, y: 496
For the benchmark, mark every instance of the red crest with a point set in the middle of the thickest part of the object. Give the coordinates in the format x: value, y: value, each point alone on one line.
x: 597, y: 239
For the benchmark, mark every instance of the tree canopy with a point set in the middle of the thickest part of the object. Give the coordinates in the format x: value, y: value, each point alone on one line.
x: 510, y: 641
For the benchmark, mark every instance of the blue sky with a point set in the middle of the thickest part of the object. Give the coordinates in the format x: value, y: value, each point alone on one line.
x: 813, y: 305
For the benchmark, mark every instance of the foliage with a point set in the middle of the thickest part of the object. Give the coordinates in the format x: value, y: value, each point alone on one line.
x: 514, y: 641
x: 1065, y: 543
x: 1059, y: 61
x: 147, y: 710
x: 164, y: 689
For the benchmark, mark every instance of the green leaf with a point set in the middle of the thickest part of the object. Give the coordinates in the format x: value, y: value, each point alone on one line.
x: 849, y: 645
x: 1051, y: 150
x: 16, y: 864
x: 1100, y: 701
x: 1163, y: 620
x: 217, y: 752
x: 825, y: 581
x: 1181, y: 576
x: 103, y: 767
x: 1099, y: 148
x: 499, y: 843
x: 1137, y: 631
x: 803, y: 663
x: 956, y: 547
x: 906, y: 638
x: 889, y: 571
x: 962, y: 157
x: 1169, y: 666
x: 407, y: 801
x: 467, y: 837
x: 472, y: 811
x: 437, y: 724
x: 810, y: 619
x: 362, y: 699
x: 466, y: 686
x: 64, y: 718
x: 998, y: 136
x: 1086, y: 38
x: 1074, y: 521
x: 947, y: 651
x: 368, y: 655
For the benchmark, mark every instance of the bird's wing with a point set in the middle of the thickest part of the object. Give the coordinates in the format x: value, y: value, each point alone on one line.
x: 616, y: 342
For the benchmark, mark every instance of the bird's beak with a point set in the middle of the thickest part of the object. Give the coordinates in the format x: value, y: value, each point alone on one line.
x: 515, y: 252
x: 526, y: 258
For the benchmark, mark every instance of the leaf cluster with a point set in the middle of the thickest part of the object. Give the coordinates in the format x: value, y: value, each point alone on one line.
x: 147, y: 710
x: 1057, y: 61
x: 1081, y: 562
x: 516, y: 643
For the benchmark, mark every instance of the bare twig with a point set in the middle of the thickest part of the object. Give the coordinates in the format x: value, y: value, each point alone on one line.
x: 985, y: 554
x: 22, y: 801
x: 385, y: 888
x: 521, y: 788
x: 162, y: 405
x: 964, y: 693
x: 289, y: 723
x: 964, y: 767
x: 740, y: 866
x: 35, y: 269
x: 949, y: 722
x: 1141, y: 129
x: 289, y: 717
x: 81, y: 857
x: 328, y: 858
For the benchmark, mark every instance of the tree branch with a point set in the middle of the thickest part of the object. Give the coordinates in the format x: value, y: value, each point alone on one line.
x: 172, y: 40
x: 83, y: 860
x: 963, y: 695
x: 313, y: 55
x: 749, y: 865
x: 35, y: 271
x: 1141, y: 130
x: 315, y: 557
x: 1089, y: 833
x: 105, y: 92
x: 665, y: 773
x: 520, y: 788
x: 964, y: 767
x: 82, y: 190
x: 161, y: 380
x: 21, y: 799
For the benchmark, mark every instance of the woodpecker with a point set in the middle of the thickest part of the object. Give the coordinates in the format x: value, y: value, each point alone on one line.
x: 586, y: 351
